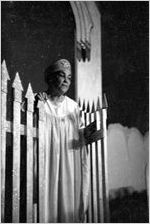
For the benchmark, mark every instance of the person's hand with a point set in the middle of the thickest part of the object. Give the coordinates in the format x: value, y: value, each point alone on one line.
x: 89, y: 129
x: 91, y: 134
x: 42, y: 96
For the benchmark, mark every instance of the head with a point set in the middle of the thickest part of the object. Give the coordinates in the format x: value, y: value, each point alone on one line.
x: 58, y: 77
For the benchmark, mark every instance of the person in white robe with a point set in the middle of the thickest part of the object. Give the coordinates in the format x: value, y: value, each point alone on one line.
x: 67, y: 159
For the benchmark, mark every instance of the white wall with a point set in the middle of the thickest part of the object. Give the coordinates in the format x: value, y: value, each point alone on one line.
x: 127, y: 157
x: 89, y: 72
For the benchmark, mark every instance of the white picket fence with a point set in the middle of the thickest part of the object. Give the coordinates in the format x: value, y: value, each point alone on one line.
x: 98, y: 210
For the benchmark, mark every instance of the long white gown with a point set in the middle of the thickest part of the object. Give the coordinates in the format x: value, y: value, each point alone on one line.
x: 66, y: 167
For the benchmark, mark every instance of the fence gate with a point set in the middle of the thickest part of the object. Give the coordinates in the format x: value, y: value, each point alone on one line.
x: 22, y: 163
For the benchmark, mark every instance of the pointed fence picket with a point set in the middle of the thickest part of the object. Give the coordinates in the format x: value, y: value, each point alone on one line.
x: 17, y: 129
x: 17, y: 86
x: 5, y: 78
x: 104, y: 160
x: 30, y: 100
x: 98, y: 209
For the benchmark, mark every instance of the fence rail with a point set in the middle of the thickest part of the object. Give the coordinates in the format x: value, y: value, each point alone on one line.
x: 98, y: 210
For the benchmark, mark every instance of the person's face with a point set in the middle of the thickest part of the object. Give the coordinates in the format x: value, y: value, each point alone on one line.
x: 62, y: 81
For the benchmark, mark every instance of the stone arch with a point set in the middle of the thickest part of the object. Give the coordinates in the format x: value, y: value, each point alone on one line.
x: 84, y: 25
x: 88, y: 50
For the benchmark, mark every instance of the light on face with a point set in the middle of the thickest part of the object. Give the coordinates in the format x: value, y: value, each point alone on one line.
x: 64, y: 77
x: 60, y: 82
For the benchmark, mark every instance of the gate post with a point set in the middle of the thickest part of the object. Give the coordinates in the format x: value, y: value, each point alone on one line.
x: 30, y: 100
x: 104, y: 160
x: 41, y: 163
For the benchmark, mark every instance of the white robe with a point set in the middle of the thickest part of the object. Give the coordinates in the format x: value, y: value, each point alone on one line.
x: 66, y: 166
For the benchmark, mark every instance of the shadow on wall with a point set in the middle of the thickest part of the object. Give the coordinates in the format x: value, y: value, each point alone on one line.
x: 129, y: 207
x: 127, y: 157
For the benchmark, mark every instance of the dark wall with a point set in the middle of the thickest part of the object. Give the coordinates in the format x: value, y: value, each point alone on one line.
x: 33, y: 35
x: 125, y: 61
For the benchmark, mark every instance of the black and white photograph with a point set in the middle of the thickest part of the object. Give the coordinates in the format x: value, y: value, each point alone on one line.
x: 74, y: 111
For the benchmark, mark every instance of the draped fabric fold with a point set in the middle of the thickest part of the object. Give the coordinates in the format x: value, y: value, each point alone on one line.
x: 66, y: 163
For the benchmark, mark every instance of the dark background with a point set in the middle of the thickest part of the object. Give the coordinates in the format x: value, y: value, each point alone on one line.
x: 36, y: 33
x: 125, y: 61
